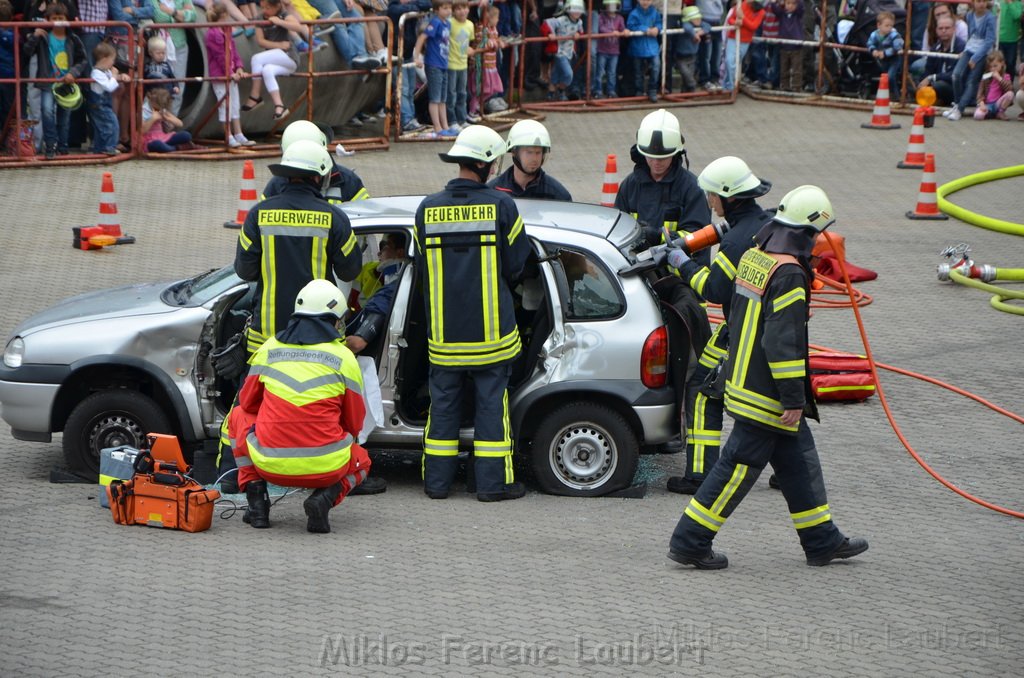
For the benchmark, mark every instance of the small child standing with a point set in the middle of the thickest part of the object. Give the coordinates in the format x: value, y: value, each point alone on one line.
x: 568, y: 24
x: 885, y: 45
x: 644, y: 48
x: 60, y: 55
x: 695, y: 29
x: 459, y: 50
x: 612, y: 24
x: 791, y: 57
x: 106, y: 79
x: 995, y: 93
x: 156, y: 119
x: 158, y: 68
x: 488, y: 82
x: 222, y: 61
x: 749, y: 16
x: 434, y: 40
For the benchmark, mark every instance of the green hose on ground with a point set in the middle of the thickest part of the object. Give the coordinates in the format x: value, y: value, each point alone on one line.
x: 1000, y: 296
x: 974, y: 218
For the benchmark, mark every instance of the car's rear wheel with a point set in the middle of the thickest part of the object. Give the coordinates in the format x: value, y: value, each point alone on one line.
x: 584, y: 449
x: 109, y: 419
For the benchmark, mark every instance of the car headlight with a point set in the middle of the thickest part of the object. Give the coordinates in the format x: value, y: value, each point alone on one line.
x: 15, y: 352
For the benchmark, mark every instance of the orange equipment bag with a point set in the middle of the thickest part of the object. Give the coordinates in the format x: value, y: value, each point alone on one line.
x: 161, y: 495
x: 841, y: 376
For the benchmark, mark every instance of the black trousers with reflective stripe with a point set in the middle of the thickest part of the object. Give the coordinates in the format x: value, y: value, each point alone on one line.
x: 706, y: 414
x: 447, y: 387
x: 745, y: 454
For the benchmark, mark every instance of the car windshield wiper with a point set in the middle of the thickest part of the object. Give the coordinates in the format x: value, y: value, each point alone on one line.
x: 184, y: 293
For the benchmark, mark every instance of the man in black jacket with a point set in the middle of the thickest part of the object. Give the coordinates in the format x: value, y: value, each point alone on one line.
x: 529, y: 144
x: 732, y: 190
x: 938, y: 71
x: 471, y: 248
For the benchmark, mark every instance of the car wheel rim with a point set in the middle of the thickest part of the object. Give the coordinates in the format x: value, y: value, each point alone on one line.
x: 114, y: 430
x: 583, y: 456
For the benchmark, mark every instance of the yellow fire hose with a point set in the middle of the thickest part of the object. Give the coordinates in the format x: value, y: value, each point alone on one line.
x: 1000, y: 295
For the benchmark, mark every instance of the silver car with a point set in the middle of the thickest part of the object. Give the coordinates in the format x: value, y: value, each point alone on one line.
x: 590, y: 390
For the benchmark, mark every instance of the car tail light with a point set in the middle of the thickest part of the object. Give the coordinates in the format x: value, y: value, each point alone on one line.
x: 654, y: 359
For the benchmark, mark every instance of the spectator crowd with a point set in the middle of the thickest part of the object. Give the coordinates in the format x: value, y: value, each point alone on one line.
x: 460, y: 55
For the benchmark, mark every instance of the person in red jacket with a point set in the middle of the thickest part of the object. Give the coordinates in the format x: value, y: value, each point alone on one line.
x: 299, y: 412
x: 749, y: 16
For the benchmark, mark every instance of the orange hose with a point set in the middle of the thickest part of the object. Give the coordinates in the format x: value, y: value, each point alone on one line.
x: 892, y: 420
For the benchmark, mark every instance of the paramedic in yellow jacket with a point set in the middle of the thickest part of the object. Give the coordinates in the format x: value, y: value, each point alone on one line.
x: 768, y: 393
x: 470, y: 250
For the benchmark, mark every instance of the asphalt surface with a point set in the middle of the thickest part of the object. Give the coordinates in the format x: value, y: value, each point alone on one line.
x: 405, y: 585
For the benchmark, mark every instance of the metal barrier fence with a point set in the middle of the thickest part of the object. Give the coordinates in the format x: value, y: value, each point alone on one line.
x: 202, y: 105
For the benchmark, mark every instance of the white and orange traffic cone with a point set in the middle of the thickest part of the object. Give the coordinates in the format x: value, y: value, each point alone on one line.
x: 246, y: 196
x: 109, y: 221
x: 880, y: 118
x: 927, y: 205
x: 107, y: 230
x: 914, y: 159
x: 611, y: 182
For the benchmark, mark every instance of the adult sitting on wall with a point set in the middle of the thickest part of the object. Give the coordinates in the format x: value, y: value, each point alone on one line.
x: 938, y: 71
x: 349, y: 39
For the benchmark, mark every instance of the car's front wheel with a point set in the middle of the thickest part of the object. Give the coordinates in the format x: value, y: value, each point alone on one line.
x: 109, y: 419
x: 584, y: 449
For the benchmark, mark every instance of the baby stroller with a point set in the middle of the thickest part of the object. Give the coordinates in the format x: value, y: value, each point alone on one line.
x: 859, y: 71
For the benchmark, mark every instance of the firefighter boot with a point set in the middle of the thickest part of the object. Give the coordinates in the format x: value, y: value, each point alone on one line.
x: 710, y: 561
x: 848, y: 548
x: 258, y: 513
x: 317, y: 505
x: 507, y: 492
x: 683, y: 485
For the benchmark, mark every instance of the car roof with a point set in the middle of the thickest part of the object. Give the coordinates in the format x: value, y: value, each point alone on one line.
x: 602, y: 222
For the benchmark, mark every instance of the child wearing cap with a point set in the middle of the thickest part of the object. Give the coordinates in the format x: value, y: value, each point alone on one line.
x: 695, y: 30
x: 609, y: 23
x: 568, y: 24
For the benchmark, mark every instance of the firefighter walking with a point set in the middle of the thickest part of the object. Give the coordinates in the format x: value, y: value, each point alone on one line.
x: 470, y: 249
x: 732, y: 190
x: 768, y: 394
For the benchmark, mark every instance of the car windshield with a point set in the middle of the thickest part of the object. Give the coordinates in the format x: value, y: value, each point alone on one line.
x: 198, y: 290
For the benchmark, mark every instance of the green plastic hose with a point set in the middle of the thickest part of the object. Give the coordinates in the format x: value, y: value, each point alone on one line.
x: 974, y: 218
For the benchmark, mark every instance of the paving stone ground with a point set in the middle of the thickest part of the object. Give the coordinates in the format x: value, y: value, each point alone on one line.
x: 549, y: 585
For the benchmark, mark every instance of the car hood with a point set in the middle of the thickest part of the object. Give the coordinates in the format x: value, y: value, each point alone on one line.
x: 119, y: 302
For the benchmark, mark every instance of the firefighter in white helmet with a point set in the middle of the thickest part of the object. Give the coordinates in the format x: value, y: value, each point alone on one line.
x: 529, y: 144
x: 732, y: 191
x: 471, y: 249
x: 661, y: 193
x: 768, y: 393
x: 661, y: 190
x: 344, y: 186
x: 282, y: 258
x: 300, y: 412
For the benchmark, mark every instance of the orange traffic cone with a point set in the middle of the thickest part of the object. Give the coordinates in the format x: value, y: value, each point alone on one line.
x: 611, y: 182
x: 246, y: 196
x: 880, y: 118
x: 927, y: 206
x: 914, y: 159
x: 108, y: 223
